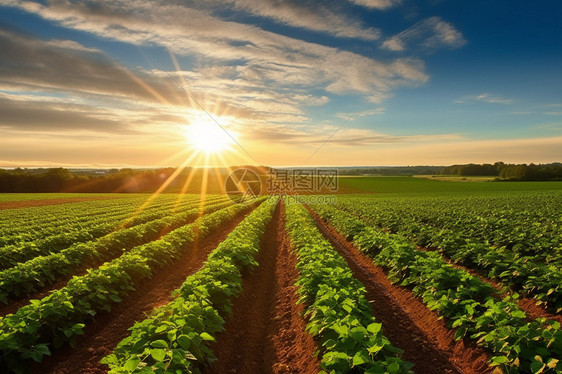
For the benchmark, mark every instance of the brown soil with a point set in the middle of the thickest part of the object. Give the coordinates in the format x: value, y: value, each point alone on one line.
x: 535, y: 311
x: 109, y: 328
x: 407, y: 322
x: 35, y: 203
x: 527, y: 304
x: 266, y: 333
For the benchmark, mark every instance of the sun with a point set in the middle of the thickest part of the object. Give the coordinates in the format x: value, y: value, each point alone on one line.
x: 208, y: 137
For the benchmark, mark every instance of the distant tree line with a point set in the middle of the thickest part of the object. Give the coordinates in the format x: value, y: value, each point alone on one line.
x: 64, y: 180
x: 188, y: 180
x: 523, y: 172
x: 391, y: 170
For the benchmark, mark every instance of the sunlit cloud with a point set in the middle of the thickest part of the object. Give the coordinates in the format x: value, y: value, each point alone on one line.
x: 266, y: 57
x: 556, y: 126
x: 359, y: 114
x: 324, y: 17
x: 262, y: 85
x: 485, y: 98
x: 348, y: 137
x: 428, y: 35
x: 377, y: 4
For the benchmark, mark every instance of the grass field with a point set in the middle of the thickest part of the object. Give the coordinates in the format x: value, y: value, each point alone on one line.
x: 402, y: 275
x: 9, y: 197
x: 455, y: 178
x: 409, y: 185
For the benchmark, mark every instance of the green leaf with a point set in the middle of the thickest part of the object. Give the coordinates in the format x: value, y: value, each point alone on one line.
x: 330, y: 343
x: 158, y: 354
x: 457, y: 323
x: 375, y: 348
x: 131, y: 364
x: 375, y: 369
x: 159, y: 344
x: 207, y: 337
x: 393, y: 368
x: 160, y: 329
x: 361, y: 358
x: 68, y: 304
x: 374, y: 328
x: 340, y: 329
x: 184, y: 341
x: 537, y: 367
x: 40, y: 351
x: 78, y: 328
x: 518, y: 314
x: 110, y: 360
x: 498, y: 360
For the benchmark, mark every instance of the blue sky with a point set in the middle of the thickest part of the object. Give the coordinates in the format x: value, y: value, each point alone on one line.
x: 370, y: 82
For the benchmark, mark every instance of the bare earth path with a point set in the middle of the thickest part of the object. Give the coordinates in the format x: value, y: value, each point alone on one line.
x: 266, y: 333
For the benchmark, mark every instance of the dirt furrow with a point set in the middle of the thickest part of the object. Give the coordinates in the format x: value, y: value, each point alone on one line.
x: 266, y: 333
x: 109, y: 328
x: 407, y: 322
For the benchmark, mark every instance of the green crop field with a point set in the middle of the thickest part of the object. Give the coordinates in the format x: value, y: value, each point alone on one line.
x: 280, y: 187
x: 163, y: 280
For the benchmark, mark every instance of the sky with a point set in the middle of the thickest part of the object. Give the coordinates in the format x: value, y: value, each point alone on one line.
x: 283, y: 83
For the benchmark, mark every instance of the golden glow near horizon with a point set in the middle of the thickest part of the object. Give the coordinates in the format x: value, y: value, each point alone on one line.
x: 258, y: 71
x: 207, y: 137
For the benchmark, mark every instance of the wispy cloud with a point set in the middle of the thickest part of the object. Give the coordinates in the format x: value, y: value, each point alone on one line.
x: 428, y: 35
x: 261, y: 55
x: 377, y: 4
x: 550, y: 105
x: 485, y: 98
x: 259, y: 82
x: 41, y: 116
x: 364, y: 113
x: 556, y: 126
x: 72, y: 67
x: 327, y: 16
x: 252, y: 75
x: 349, y: 137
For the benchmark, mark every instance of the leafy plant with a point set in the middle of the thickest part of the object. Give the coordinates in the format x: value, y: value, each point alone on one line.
x: 339, y: 315
x: 517, y: 345
x: 175, y: 337
x: 30, y: 276
x: 51, y: 321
